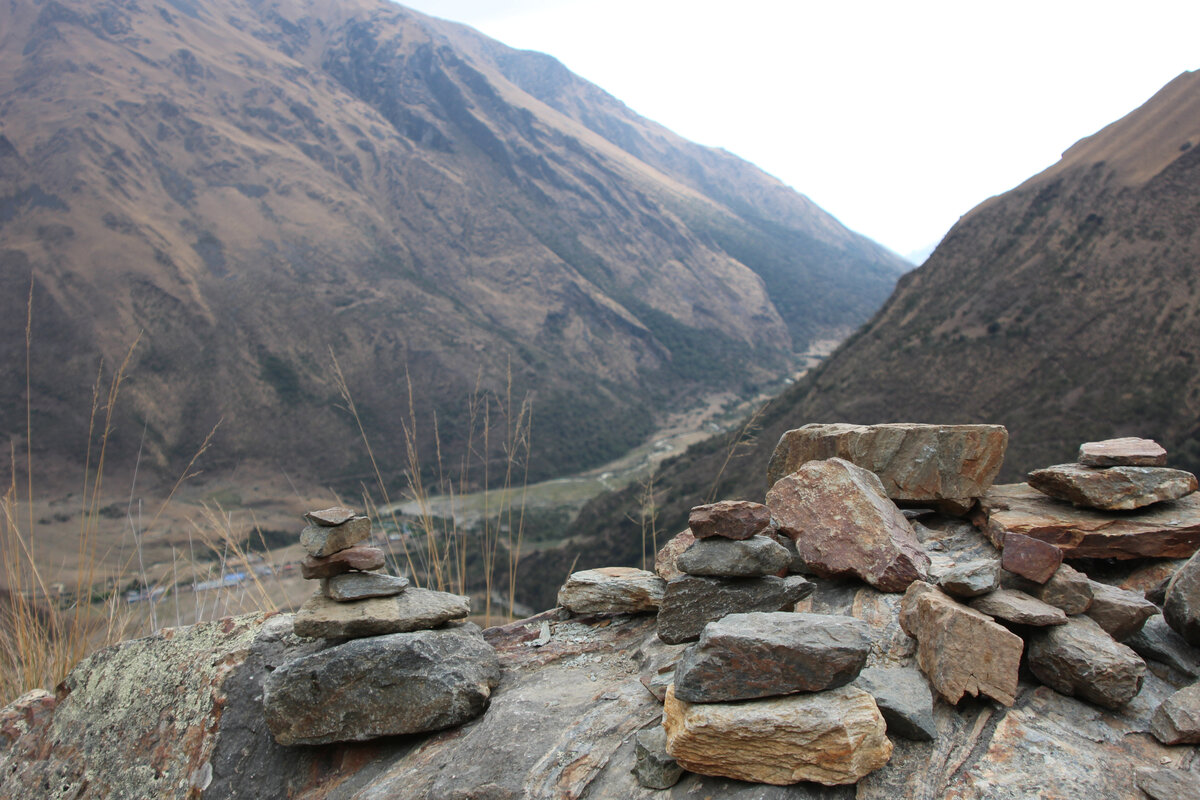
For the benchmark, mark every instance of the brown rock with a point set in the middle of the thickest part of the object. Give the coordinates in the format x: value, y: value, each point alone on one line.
x: 1127, y: 452
x: 971, y: 579
x: 844, y: 524
x: 323, y: 540
x: 667, y: 558
x: 1080, y: 659
x: 413, y: 610
x: 961, y: 650
x: 352, y: 558
x: 914, y: 462
x: 1067, y: 589
x: 1119, y: 612
x: 1112, y: 488
x: 1163, y: 530
x: 834, y: 737
x: 1030, y: 558
x: 1177, y: 720
x: 731, y: 519
x: 1018, y: 608
x: 330, y: 517
x: 352, y: 586
x: 1181, y: 604
x: 691, y: 602
x: 623, y: 590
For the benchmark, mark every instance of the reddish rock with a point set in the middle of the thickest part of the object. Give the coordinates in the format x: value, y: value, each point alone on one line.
x: 1030, y: 558
x: 352, y: 558
x: 667, y: 558
x: 844, y: 524
x: 1127, y: 452
x: 1113, y: 488
x: 731, y: 519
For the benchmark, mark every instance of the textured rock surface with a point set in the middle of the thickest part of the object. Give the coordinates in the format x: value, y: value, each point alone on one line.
x: 832, y: 737
x: 1080, y: 659
x: 1164, y: 783
x: 971, y: 579
x: 1177, y: 720
x: 1019, y: 608
x: 1157, y: 641
x: 666, y: 560
x: 844, y: 524
x: 654, y: 769
x: 1029, y: 557
x: 351, y: 586
x: 914, y: 462
x: 358, y: 557
x: 1068, y: 589
x: 413, y: 610
x: 323, y: 540
x: 692, y: 602
x: 1164, y: 530
x: 960, y: 650
x: 1181, y: 604
x: 612, y: 590
x: 729, y: 519
x: 746, y: 656
x: 331, y: 517
x: 903, y: 698
x: 1121, y: 613
x: 747, y: 558
x: 1112, y: 488
x: 1129, y: 451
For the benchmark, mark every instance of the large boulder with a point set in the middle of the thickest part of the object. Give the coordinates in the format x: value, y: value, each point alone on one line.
x: 844, y: 524
x: 691, y: 602
x: 916, y: 463
x: 833, y: 737
x: 624, y: 590
x: 382, y: 686
x: 1112, y: 488
x: 1080, y: 659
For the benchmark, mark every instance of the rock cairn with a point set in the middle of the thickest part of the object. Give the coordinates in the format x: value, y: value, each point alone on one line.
x: 408, y: 667
x: 1115, y: 475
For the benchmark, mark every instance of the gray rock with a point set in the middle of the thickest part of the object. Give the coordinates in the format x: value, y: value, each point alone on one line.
x: 624, y: 590
x: 321, y: 540
x: 692, y: 602
x: 1067, y: 589
x: 1030, y: 558
x: 729, y: 519
x: 1157, y: 641
x: 412, y: 610
x: 1080, y: 659
x: 1129, y: 451
x: 971, y: 579
x: 330, y: 517
x: 747, y: 656
x: 653, y: 768
x: 1177, y: 720
x: 1019, y: 608
x: 904, y: 699
x: 1164, y: 783
x: 382, y: 686
x: 796, y: 565
x: 1119, y: 611
x: 1181, y: 606
x: 719, y: 557
x: 351, y: 586
x: 1112, y: 488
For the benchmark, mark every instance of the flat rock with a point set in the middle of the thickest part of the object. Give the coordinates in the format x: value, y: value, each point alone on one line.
x: 729, y: 519
x: 904, y: 699
x: 623, y: 590
x: 916, y: 463
x: 352, y: 558
x: 1029, y: 557
x: 1181, y: 603
x: 1120, y: 612
x: 1129, y: 451
x: 1156, y: 640
x: 412, y: 610
x: 748, y: 656
x: 1068, y: 589
x: 844, y: 524
x: 832, y: 737
x: 1177, y: 720
x: 653, y: 767
x: 382, y: 686
x: 1019, y: 608
x: 1164, y: 783
x: 321, y: 540
x: 351, y: 586
x: 1112, y: 488
x: 962, y: 651
x: 331, y: 517
x: 692, y: 602
x: 1079, y: 659
x: 666, y: 560
x: 729, y: 558
x: 1163, y: 530
x: 971, y: 579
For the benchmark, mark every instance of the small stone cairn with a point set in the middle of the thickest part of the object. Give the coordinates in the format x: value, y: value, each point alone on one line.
x: 412, y: 668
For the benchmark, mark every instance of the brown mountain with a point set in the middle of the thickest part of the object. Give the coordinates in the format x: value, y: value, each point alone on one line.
x: 1067, y: 309
x: 254, y: 184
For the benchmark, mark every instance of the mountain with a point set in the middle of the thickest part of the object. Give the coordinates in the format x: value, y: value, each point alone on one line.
x: 254, y: 185
x: 1067, y: 309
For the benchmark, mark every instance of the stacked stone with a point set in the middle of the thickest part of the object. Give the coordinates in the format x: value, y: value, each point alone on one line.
x: 1115, y: 475
x: 408, y: 667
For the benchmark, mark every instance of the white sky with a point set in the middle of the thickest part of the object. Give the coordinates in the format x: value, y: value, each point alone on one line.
x: 896, y: 117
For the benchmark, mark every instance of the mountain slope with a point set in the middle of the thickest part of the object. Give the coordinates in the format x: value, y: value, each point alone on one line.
x: 254, y: 185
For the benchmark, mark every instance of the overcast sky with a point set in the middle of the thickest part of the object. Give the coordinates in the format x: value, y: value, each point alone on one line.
x: 896, y: 116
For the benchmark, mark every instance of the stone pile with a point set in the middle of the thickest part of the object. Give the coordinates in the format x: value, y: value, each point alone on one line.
x: 1115, y: 475
x: 408, y: 667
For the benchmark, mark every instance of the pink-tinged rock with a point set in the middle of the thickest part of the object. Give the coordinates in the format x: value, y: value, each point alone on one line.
x: 666, y: 560
x: 914, y: 462
x: 1127, y: 452
x: 844, y: 524
x: 961, y: 650
x: 730, y: 519
x: 1113, y: 488
x: 1030, y: 558
x: 1163, y: 530
x: 352, y: 558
